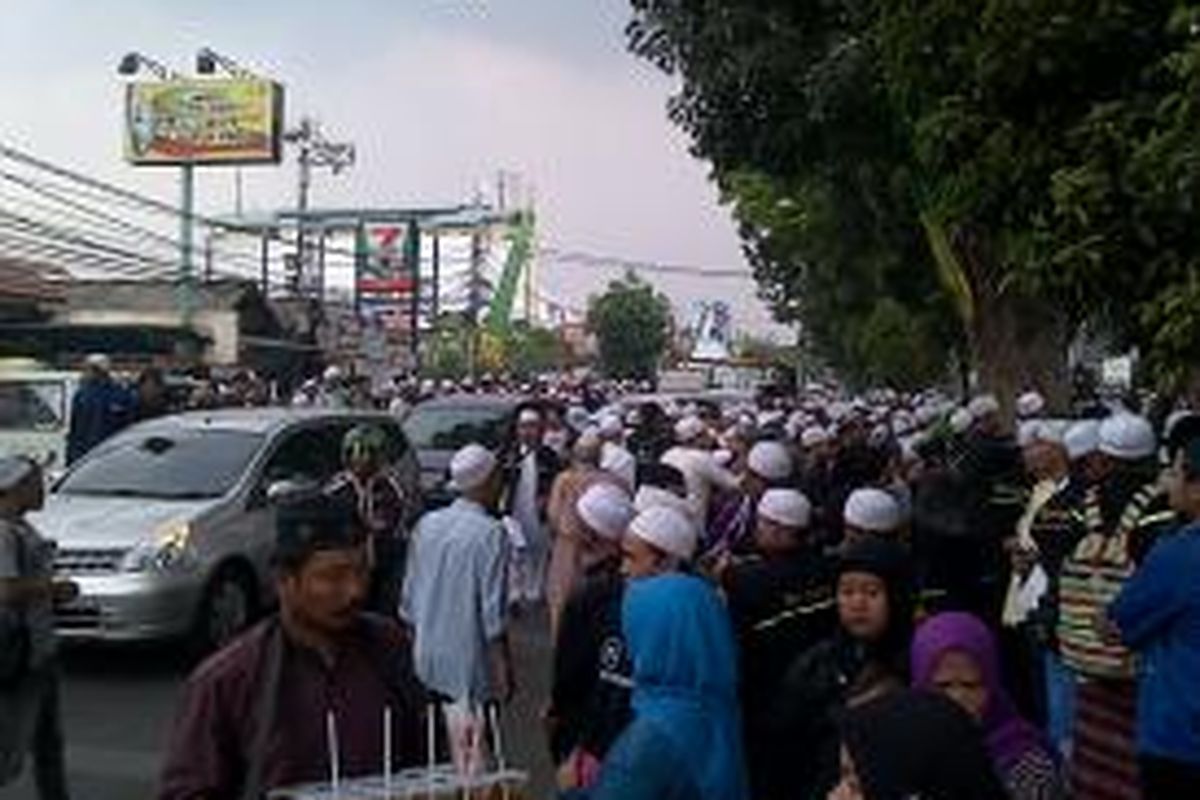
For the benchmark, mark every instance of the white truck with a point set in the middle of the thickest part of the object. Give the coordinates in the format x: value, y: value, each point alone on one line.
x: 35, y: 409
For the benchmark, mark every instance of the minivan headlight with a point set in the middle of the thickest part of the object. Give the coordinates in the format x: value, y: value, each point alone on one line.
x: 168, y: 550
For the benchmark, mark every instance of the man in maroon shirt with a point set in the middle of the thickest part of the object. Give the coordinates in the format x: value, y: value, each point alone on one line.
x: 255, y: 716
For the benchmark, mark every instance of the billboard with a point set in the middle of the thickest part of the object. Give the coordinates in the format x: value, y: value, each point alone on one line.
x: 203, y: 121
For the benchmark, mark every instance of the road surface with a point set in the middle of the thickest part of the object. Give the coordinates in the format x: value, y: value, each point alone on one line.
x: 118, y: 704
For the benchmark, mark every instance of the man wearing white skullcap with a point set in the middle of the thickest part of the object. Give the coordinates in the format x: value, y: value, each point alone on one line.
x: 531, y: 467
x: 1126, y: 511
x: 614, y: 457
x: 700, y: 470
x: 592, y: 675
x: 768, y: 464
x: 780, y: 602
x: 455, y: 594
x: 871, y: 512
x: 604, y: 511
x: 570, y: 532
x: 660, y: 539
x: 99, y: 408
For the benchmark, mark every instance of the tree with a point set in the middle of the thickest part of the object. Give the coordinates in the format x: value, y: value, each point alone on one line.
x: 532, y: 350
x: 1016, y: 168
x: 631, y: 323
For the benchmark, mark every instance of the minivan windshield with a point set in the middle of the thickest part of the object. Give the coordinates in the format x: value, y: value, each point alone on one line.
x: 179, y: 464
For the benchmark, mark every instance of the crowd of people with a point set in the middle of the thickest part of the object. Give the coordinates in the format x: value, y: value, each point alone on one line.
x: 809, y: 596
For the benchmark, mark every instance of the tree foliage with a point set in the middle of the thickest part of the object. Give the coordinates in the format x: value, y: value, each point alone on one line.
x: 632, y: 325
x: 1003, y: 171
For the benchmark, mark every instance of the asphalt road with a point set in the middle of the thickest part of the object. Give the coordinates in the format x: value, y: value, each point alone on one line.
x: 118, y: 704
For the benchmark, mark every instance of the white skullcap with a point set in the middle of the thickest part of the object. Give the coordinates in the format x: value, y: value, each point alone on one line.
x: 1127, y: 437
x: 619, y: 462
x: 606, y: 509
x: 529, y: 416
x: 689, y: 428
x: 1030, y: 404
x: 816, y: 435
x: 98, y: 361
x: 610, y: 425
x: 982, y: 406
x: 960, y: 420
x: 332, y: 373
x: 1082, y: 438
x: 788, y: 507
x: 669, y: 529
x: 649, y: 496
x: 471, y: 467
x: 872, y: 510
x: 770, y: 460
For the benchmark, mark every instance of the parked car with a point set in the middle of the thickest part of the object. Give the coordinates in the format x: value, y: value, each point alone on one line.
x: 168, y: 527
x: 437, y: 428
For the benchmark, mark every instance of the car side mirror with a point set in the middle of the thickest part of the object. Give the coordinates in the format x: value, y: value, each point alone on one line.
x: 282, y: 490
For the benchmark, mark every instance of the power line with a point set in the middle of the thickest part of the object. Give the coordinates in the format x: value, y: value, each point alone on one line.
x: 565, y: 256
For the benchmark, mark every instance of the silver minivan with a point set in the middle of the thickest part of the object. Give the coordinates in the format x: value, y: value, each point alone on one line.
x: 168, y: 527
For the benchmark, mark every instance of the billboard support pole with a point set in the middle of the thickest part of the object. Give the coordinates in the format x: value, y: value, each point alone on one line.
x: 187, y: 192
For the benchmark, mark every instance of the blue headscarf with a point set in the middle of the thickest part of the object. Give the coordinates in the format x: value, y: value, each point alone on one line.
x: 685, y: 677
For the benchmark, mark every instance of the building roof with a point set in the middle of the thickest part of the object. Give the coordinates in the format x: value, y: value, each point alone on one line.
x: 23, y: 281
x: 156, y: 295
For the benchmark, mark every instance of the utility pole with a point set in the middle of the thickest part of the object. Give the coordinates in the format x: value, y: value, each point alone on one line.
x: 314, y: 151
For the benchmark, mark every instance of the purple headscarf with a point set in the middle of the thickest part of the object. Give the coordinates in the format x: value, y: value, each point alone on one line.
x: 1008, y: 736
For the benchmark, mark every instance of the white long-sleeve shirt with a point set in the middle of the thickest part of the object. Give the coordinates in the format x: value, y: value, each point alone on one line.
x: 701, y: 474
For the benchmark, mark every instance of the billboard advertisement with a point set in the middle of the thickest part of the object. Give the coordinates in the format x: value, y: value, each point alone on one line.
x: 203, y: 121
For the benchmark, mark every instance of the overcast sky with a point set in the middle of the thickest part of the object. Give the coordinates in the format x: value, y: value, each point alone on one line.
x: 437, y: 95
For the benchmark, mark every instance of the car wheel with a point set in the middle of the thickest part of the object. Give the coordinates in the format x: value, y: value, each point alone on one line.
x: 227, y: 610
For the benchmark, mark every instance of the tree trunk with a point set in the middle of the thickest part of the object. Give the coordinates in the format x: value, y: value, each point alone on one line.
x: 1019, y: 342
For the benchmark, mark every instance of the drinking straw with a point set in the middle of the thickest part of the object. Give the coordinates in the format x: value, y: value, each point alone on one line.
x: 387, y: 751
x: 331, y: 739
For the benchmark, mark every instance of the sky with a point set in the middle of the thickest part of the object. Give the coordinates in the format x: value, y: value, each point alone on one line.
x: 437, y: 96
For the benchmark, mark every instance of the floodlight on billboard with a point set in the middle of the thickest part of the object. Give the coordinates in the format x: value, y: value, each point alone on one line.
x: 204, y: 121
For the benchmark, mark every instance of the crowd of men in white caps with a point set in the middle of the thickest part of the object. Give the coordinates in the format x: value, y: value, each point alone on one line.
x: 812, y: 597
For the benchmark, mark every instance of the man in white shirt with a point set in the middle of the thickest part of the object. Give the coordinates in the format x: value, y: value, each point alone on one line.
x: 701, y: 472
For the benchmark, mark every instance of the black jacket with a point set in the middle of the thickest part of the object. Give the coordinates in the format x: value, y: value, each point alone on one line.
x: 592, y: 681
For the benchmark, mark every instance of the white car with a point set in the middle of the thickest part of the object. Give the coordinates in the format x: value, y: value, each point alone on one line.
x: 167, y: 527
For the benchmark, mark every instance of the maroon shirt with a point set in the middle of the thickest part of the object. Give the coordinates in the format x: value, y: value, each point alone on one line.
x: 214, y: 732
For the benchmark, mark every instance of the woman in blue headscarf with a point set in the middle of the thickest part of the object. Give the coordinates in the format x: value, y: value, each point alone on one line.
x: 684, y: 742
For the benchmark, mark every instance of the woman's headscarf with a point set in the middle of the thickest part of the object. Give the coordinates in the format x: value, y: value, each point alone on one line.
x: 918, y: 744
x: 1008, y: 737
x: 685, y: 676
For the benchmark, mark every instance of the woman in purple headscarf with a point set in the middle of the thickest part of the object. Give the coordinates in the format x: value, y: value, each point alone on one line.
x: 955, y: 654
